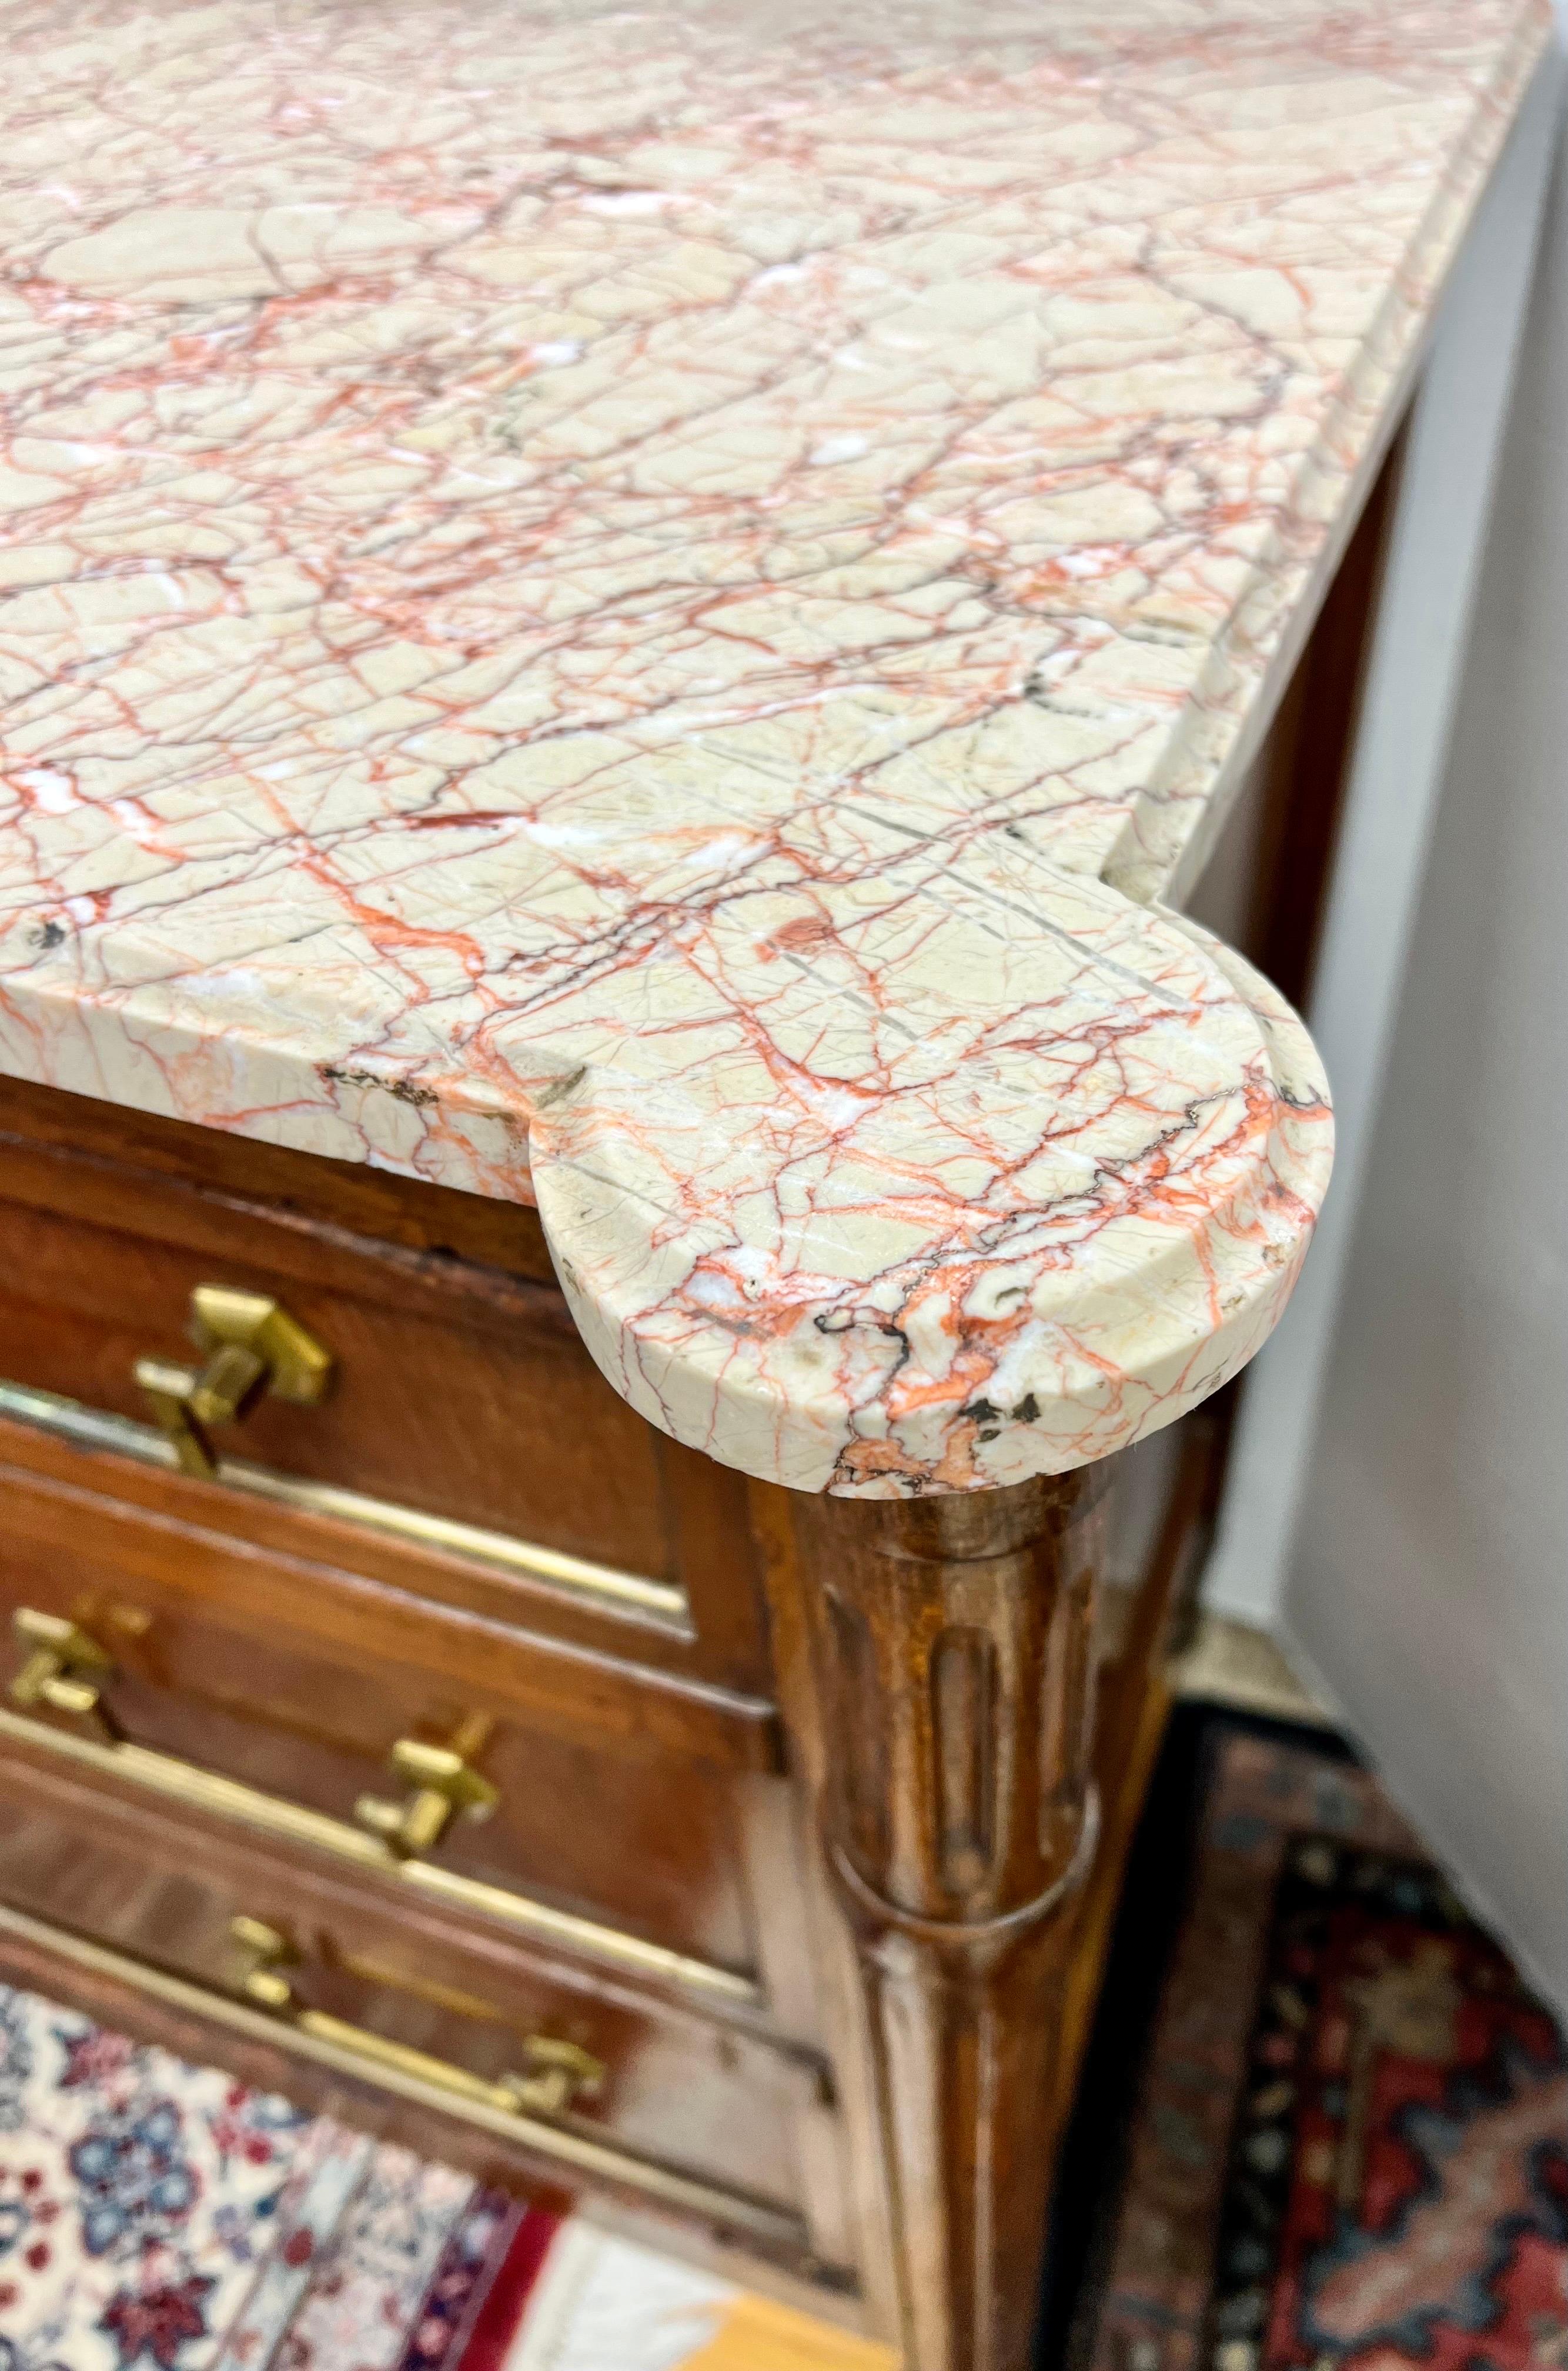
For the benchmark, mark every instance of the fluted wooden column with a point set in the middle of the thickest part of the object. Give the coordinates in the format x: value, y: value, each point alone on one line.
x: 950, y: 1650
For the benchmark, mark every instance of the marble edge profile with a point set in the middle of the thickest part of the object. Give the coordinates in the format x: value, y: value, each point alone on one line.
x: 1133, y: 1291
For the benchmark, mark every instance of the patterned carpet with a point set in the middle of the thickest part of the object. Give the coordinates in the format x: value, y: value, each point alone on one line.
x: 1350, y: 2152
x: 155, y: 2216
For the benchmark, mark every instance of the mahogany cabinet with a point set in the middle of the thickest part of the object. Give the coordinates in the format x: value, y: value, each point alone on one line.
x: 472, y: 1547
x: 674, y: 730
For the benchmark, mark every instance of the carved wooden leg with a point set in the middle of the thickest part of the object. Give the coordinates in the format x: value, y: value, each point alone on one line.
x: 951, y: 1641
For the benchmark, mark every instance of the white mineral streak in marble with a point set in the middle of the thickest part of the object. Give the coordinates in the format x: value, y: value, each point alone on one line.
x: 659, y: 594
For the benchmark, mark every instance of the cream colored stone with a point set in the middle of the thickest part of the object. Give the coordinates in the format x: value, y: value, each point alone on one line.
x: 668, y: 673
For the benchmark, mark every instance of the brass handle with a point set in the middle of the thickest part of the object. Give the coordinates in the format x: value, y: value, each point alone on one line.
x: 263, y: 1950
x: 560, y: 2072
x: 211, y: 1796
x: 442, y: 1786
x: 252, y: 1346
x: 65, y: 1671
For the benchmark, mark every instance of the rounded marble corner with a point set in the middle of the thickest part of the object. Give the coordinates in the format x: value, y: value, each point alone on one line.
x: 954, y: 1179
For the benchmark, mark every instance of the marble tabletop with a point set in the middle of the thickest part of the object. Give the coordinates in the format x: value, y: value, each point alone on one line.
x: 653, y: 609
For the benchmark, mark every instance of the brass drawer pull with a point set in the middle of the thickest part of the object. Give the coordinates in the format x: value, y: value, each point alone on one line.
x: 168, y: 1780
x: 574, y: 2148
x: 64, y: 1669
x: 560, y: 2073
x: 442, y: 1786
x: 252, y: 1346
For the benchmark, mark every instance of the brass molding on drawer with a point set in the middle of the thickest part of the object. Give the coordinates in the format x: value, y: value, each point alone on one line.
x: 272, y: 1815
x: 429, y: 2084
x: 601, y: 1586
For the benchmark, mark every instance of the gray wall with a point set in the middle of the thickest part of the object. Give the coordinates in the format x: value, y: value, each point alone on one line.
x: 1430, y: 1579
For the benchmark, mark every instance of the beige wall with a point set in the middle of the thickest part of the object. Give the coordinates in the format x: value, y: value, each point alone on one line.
x: 1430, y: 1581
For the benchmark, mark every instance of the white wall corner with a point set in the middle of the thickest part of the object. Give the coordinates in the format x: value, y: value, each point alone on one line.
x: 1415, y: 665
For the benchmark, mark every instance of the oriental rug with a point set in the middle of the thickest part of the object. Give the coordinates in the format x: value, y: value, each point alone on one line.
x: 157, y: 2217
x: 1350, y: 2150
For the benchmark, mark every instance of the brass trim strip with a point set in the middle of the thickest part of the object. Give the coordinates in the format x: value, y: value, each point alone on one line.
x: 274, y: 1815
x: 626, y: 1594
x: 776, y: 2228
x: 374, y: 2050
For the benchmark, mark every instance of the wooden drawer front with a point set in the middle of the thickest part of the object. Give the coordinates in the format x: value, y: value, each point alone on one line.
x: 679, y: 2096
x: 618, y: 1788
x: 459, y: 1395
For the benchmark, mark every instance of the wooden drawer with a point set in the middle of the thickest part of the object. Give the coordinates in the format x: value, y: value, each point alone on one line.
x: 464, y: 1429
x: 624, y: 1793
x: 688, y: 2113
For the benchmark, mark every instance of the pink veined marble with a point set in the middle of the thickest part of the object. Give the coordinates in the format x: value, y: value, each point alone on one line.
x: 637, y: 607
